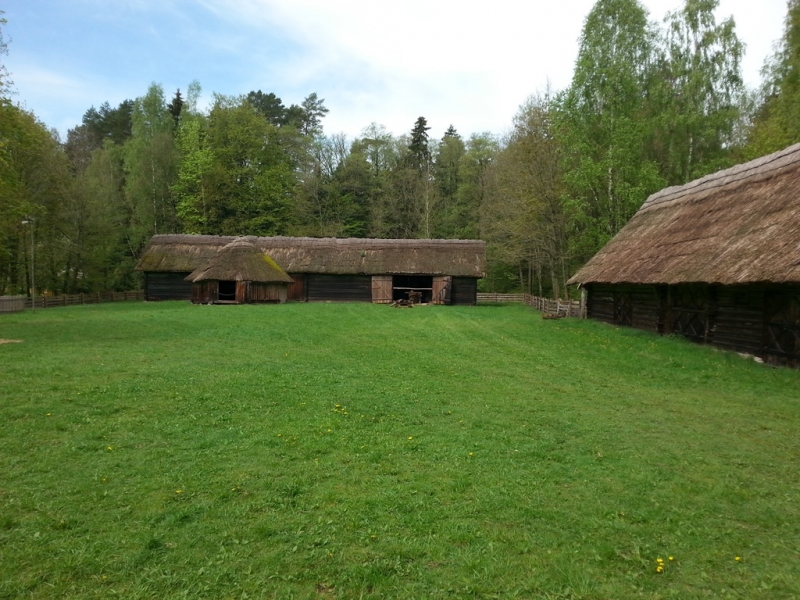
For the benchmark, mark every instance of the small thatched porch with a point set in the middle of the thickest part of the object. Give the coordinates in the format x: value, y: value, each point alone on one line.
x: 239, y: 273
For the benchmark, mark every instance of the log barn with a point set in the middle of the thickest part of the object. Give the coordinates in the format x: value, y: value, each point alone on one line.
x: 716, y: 260
x: 239, y: 273
x: 330, y: 269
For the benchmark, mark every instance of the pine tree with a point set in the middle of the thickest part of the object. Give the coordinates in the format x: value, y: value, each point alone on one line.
x: 175, y: 107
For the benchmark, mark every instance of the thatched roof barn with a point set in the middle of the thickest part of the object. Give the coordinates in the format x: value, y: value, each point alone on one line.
x: 716, y: 259
x: 354, y: 269
x: 239, y: 273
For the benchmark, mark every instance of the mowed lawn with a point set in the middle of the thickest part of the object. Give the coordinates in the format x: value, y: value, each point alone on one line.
x: 166, y: 450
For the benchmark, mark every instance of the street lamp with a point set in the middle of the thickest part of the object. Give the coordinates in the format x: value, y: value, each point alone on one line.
x: 29, y: 221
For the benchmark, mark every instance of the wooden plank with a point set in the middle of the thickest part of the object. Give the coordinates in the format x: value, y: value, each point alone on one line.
x: 382, y: 289
x: 442, y: 289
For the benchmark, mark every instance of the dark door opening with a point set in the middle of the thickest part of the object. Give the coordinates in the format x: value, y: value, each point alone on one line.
x: 227, y: 291
x: 403, y: 284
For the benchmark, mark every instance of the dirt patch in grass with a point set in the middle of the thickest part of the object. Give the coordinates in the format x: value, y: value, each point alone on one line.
x: 2, y: 341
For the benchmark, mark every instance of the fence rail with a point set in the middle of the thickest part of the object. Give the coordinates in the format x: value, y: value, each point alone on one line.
x: 548, y: 307
x: 492, y: 297
x: 76, y: 299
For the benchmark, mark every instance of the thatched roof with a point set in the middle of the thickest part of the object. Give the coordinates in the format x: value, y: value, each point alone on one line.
x: 240, y: 261
x: 740, y: 225
x: 460, y: 258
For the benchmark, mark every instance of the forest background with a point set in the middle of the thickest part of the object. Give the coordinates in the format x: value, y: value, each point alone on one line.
x: 650, y: 104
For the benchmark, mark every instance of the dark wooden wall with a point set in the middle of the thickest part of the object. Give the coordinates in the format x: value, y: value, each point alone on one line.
x: 465, y: 291
x: 760, y: 319
x: 259, y: 293
x: 306, y: 287
x: 338, y: 288
x: 204, y: 292
x: 166, y: 286
x: 638, y: 306
x: 297, y: 290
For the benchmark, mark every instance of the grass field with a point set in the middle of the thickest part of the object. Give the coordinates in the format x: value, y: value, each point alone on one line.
x: 357, y: 451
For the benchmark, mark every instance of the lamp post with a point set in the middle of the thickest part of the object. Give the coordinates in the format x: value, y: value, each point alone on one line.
x: 29, y: 221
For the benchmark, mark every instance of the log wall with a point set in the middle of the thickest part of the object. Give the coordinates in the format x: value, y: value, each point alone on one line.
x: 759, y: 319
x: 464, y: 291
x: 297, y: 290
x: 260, y: 293
x: 167, y: 286
x: 339, y: 288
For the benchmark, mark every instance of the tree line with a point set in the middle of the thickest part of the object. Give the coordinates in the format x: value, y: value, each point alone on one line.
x: 649, y: 105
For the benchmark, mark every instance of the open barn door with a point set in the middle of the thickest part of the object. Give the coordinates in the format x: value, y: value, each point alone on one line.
x: 442, y: 287
x: 382, y: 289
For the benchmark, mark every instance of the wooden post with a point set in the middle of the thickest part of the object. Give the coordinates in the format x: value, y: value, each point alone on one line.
x: 582, y: 308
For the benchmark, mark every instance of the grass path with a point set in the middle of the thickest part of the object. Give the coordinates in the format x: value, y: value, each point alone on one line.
x: 351, y: 450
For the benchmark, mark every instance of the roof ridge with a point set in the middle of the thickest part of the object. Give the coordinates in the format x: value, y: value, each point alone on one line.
x: 762, y: 166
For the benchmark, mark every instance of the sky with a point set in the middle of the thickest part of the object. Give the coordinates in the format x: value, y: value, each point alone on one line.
x: 461, y: 62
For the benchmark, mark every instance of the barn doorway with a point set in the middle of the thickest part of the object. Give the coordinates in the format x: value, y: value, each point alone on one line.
x: 227, y: 291
x: 403, y: 284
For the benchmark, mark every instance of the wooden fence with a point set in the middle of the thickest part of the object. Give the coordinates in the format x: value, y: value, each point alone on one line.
x: 555, y: 308
x: 12, y: 304
x: 76, y: 299
x: 492, y: 297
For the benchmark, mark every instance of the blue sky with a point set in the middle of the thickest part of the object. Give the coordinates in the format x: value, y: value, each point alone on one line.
x: 462, y: 62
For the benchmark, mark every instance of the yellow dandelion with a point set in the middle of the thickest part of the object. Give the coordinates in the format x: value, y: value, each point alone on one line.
x: 659, y: 569
x: 672, y: 558
x: 48, y: 414
x: 178, y: 491
x: 110, y: 448
x: 411, y: 437
x: 660, y: 560
x: 470, y: 453
x: 738, y: 558
x: 280, y: 434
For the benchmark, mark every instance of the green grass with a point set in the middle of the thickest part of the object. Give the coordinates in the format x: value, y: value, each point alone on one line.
x: 356, y: 451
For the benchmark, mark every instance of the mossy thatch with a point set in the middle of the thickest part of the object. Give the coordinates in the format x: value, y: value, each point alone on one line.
x: 176, y: 253
x: 240, y: 260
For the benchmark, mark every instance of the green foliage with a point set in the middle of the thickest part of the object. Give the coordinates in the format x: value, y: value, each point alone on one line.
x: 696, y: 88
x: 115, y: 124
x: 777, y: 121
x: 419, y: 154
x: 525, y: 223
x: 307, y: 450
x: 268, y: 105
x: 447, y: 172
x: 176, y: 106
x: 314, y: 110
x: 251, y: 178
x: 151, y: 162
x: 5, y: 82
x: 602, y: 127
x: 34, y: 181
x: 194, y: 168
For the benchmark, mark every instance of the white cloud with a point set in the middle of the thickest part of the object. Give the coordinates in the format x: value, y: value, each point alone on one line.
x: 467, y: 63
